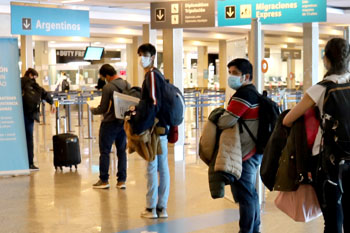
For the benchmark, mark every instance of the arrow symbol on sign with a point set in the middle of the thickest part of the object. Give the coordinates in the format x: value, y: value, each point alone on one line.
x: 160, y: 15
x: 230, y: 12
x: 26, y: 24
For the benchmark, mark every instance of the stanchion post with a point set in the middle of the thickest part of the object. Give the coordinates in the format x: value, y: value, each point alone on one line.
x: 89, y: 122
x: 57, y: 117
x: 79, y: 109
x: 68, y: 118
x: 197, y: 108
x: 43, y: 112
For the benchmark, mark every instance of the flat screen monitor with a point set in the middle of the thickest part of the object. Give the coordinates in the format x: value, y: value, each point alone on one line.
x: 93, y: 53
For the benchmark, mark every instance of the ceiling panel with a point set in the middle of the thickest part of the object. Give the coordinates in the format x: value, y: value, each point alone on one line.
x: 339, y: 3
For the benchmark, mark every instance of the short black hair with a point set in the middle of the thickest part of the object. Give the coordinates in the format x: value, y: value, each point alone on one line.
x: 32, y: 72
x: 107, y: 69
x: 147, y: 48
x: 242, y: 65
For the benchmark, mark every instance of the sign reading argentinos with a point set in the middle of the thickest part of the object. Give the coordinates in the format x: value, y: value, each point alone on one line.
x: 240, y: 12
x: 187, y: 14
x: 30, y: 20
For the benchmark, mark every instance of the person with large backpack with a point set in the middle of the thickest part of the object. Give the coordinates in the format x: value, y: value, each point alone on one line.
x: 243, y: 109
x: 111, y: 129
x: 32, y: 94
x: 152, y: 105
x: 331, y: 149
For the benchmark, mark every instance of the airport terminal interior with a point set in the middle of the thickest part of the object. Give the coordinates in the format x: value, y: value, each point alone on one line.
x: 55, y: 200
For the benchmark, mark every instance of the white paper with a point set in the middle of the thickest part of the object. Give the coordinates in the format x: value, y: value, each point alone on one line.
x: 122, y: 103
x: 95, y: 102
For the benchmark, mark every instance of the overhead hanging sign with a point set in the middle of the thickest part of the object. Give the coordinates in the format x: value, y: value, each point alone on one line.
x: 290, y: 53
x: 13, y: 153
x: 185, y: 14
x: 240, y: 12
x: 30, y: 20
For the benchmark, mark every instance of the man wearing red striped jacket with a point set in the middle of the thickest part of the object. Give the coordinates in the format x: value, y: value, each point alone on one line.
x: 244, y: 106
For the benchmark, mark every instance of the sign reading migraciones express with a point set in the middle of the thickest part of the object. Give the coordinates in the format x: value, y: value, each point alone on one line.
x: 240, y: 12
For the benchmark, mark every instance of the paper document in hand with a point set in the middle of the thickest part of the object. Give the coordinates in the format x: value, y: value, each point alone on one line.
x: 122, y: 103
x: 95, y: 102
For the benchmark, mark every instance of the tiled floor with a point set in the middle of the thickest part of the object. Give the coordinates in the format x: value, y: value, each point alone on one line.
x: 50, y: 201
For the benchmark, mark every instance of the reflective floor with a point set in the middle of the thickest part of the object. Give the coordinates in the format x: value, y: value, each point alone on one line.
x: 50, y: 201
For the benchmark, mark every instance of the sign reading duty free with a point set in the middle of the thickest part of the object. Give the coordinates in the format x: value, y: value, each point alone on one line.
x: 240, y: 12
x: 30, y: 20
x: 185, y: 14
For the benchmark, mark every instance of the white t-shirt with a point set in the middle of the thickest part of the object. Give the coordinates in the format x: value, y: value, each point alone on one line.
x: 316, y: 93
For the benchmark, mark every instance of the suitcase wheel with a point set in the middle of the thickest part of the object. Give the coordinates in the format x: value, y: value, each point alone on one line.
x: 61, y: 168
x: 56, y: 168
x: 76, y: 167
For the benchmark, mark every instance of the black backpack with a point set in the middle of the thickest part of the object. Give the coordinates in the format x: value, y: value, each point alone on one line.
x: 268, y: 115
x: 335, y: 122
x: 173, y: 103
x: 31, y: 95
x: 133, y: 91
x: 65, y: 85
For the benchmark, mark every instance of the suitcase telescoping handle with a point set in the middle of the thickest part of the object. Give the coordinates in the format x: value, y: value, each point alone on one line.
x: 58, y: 124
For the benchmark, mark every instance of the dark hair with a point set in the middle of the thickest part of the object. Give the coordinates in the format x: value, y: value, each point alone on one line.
x: 337, y: 51
x: 146, y: 48
x: 107, y: 69
x: 242, y: 65
x: 32, y: 72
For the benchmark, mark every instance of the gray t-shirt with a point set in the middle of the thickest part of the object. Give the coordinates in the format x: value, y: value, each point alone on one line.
x: 106, y: 106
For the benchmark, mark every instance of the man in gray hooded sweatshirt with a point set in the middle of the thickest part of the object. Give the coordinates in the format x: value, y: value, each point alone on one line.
x: 111, y: 129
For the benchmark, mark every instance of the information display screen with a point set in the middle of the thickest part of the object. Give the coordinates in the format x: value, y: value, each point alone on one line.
x: 93, y: 53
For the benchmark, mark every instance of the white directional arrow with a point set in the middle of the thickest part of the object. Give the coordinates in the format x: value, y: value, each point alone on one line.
x: 160, y: 15
x: 26, y: 24
x: 230, y: 12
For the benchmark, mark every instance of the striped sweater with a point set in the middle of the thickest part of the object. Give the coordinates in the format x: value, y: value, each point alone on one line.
x: 244, y: 104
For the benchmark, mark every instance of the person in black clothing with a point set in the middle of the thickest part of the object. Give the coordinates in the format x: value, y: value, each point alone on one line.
x: 100, y: 83
x: 29, y: 116
x: 111, y: 129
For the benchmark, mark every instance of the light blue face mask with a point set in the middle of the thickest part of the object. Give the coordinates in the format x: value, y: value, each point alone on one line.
x: 234, y: 81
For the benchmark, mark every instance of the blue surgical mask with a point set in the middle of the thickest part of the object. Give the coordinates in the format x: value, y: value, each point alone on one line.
x: 234, y: 81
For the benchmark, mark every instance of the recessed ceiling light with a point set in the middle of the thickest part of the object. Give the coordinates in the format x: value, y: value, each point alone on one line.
x: 72, y: 1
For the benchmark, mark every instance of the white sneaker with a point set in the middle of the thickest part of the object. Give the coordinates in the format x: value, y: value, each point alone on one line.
x: 152, y: 214
x: 162, y: 213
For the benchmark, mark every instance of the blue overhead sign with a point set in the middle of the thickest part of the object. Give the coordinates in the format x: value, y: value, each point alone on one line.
x: 240, y: 12
x: 30, y: 20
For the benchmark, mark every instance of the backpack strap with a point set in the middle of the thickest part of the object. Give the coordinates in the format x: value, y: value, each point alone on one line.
x: 242, y: 122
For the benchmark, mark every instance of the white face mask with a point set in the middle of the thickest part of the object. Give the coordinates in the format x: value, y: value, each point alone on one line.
x: 145, y: 61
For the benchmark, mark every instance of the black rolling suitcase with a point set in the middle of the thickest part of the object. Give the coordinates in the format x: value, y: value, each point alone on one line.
x: 66, y: 151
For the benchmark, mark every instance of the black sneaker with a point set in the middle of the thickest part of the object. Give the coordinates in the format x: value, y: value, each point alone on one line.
x: 33, y: 168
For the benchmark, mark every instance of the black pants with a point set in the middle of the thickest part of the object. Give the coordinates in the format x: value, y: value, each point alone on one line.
x: 29, y: 127
x: 334, y: 198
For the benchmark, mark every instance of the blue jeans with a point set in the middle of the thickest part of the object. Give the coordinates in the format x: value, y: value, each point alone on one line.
x: 157, y: 195
x: 244, y: 192
x: 112, y: 132
x: 29, y: 127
